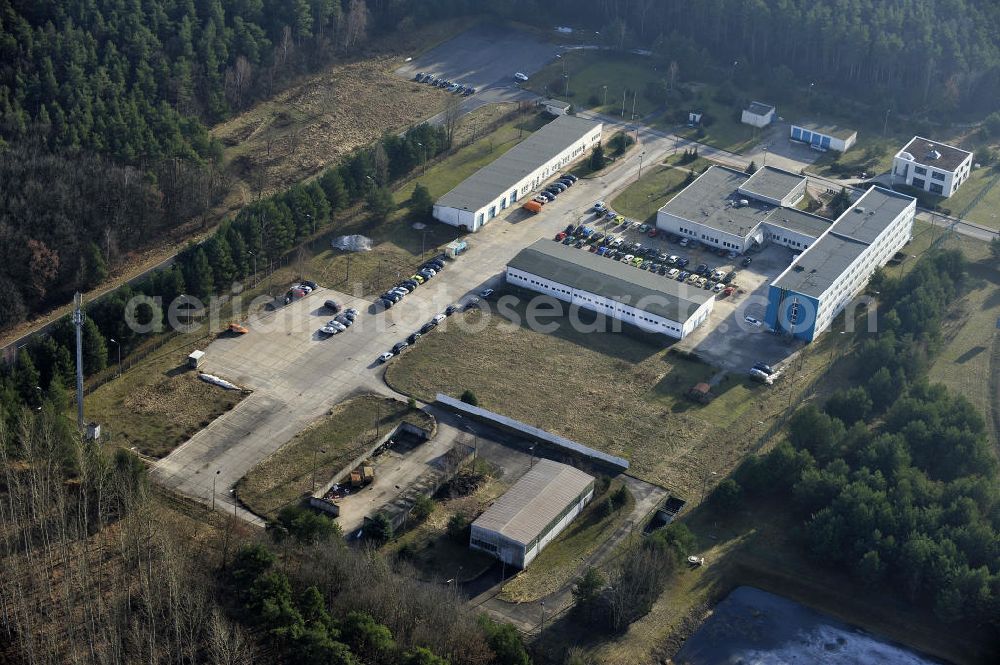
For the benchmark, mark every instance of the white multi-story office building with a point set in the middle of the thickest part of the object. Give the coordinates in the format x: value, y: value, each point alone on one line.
x: 931, y: 166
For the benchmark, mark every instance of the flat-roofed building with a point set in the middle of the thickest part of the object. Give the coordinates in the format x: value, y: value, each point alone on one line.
x: 728, y: 209
x: 610, y: 288
x: 823, y: 137
x: 522, y: 169
x: 758, y: 114
x: 931, y: 166
x: 815, y: 288
x: 532, y: 512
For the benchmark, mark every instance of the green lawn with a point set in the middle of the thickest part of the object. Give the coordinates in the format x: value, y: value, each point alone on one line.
x: 559, y: 563
x: 987, y: 210
x: 869, y: 155
x: 322, y: 449
x: 659, y: 184
x: 721, y: 126
x: 590, y: 72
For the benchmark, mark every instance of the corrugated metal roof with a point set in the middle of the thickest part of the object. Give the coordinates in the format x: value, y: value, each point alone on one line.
x: 494, y: 179
x: 524, y: 512
x: 531, y: 431
x: 617, y: 281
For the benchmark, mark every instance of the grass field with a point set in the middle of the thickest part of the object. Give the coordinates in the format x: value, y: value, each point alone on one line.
x: 559, y: 563
x: 321, y: 450
x: 644, y: 197
x: 589, y: 72
x: 620, y: 394
x: 724, y: 129
x: 985, y: 211
x: 158, y: 404
x: 869, y: 155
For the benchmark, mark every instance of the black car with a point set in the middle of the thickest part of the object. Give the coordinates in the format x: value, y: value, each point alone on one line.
x: 411, y: 283
x: 408, y: 287
x: 579, y: 243
x: 570, y: 176
x: 437, y: 264
x: 567, y: 240
x: 450, y: 309
x: 730, y: 276
x: 412, y: 339
x: 398, y: 347
x: 311, y: 285
x: 747, y: 261
x: 332, y: 305
x: 384, y: 303
x: 350, y: 315
x: 344, y: 321
x: 565, y: 181
x: 763, y: 367
x: 427, y: 327
x: 701, y: 269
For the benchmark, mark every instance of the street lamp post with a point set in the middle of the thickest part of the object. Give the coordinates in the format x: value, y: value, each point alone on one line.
x: 639, y: 176
x: 255, y: 280
x: 531, y: 449
x: 214, y: 478
x: 314, y: 466
x: 885, y: 123
x: 119, y: 346
x: 542, y: 627
x: 605, y: 95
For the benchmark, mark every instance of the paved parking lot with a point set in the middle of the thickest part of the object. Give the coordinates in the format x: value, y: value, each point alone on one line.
x: 484, y: 57
x: 296, y: 376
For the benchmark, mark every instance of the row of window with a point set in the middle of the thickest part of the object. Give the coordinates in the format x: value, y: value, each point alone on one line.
x: 600, y: 303
x: 483, y: 545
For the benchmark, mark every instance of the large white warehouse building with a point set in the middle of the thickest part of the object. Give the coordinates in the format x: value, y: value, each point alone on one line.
x: 806, y: 297
x: 649, y: 301
x: 532, y: 512
x: 499, y: 185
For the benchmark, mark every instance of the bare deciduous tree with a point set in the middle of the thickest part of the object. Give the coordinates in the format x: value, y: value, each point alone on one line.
x: 356, y: 24
x: 452, y: 113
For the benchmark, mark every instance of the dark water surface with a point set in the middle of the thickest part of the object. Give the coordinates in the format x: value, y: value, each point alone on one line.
x: 754, y: 627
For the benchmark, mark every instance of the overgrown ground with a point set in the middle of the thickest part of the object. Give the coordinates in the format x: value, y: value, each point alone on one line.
x: 159, y: 404
x: 978, y: 199
x: 617, y: 393
x: 434, y: 555
x: 321, y: 450
x: 560, y: 561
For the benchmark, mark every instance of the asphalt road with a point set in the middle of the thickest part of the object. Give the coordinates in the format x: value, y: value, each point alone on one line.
x: 296, y: 376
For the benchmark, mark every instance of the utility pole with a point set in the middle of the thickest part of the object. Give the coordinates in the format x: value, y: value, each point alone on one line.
x: 605, y: 95
x: 885, y: 124
x: 119, y: 346
x: 635, y: 93
x: 78, y: 323
x: 624, y: 92
x: 214, y: 478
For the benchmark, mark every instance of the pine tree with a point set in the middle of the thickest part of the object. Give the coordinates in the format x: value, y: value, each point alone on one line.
x: 334, y: 189
x: 26, y: 379
x: 95, y: 349
x: 96, y: 267
x: 223, y: 268
x: 751, y: 168
x: 199, y: 278
x: 421, y: 203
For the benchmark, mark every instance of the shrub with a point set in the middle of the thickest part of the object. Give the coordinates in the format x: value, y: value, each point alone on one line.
x: 469, y: 397
x: 422, y: 508
x: 728, y: 496
x: 458, y: 527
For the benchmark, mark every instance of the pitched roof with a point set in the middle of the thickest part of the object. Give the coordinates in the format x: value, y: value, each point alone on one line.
x: 529, y: 507
x: 614, y: 280
x: 501, y: 175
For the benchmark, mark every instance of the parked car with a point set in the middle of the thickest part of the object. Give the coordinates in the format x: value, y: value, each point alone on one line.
x: 412, y: 339
x: 683, y: 275
x: 518, y: 76
x: 486, y: 293
x: 383, y: 357
x: 344, y: 321
x: 568, y: 240
x: 684, y: 242
x: 673, y: 272
x: 730, y: 276
x: 333, y: 323
x: 237, y: 329
x: 560, y: 236
x: 752, y: 321
x: 438, y: 318
x: 701, y: 269
x: 719, y: 286
x: 384, y: 303
x: 599, y: 206
x: 570, y: 176
x: 450, y: 309
x: 469, y: 91
x: 398, y: 347
x: 763, y: 367
x: 682, y: 262
x: 746, y: 261
x: 332, y: 305
x: 329, y: 330
x: 471, y: 303
x: 652, y: 233
x: 418, y: 77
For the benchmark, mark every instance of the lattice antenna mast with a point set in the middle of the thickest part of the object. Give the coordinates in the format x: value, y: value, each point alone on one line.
x: 78, y: 324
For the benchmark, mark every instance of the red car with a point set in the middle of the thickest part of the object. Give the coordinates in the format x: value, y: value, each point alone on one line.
x: 560, y: 236
x: 652, y: 233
